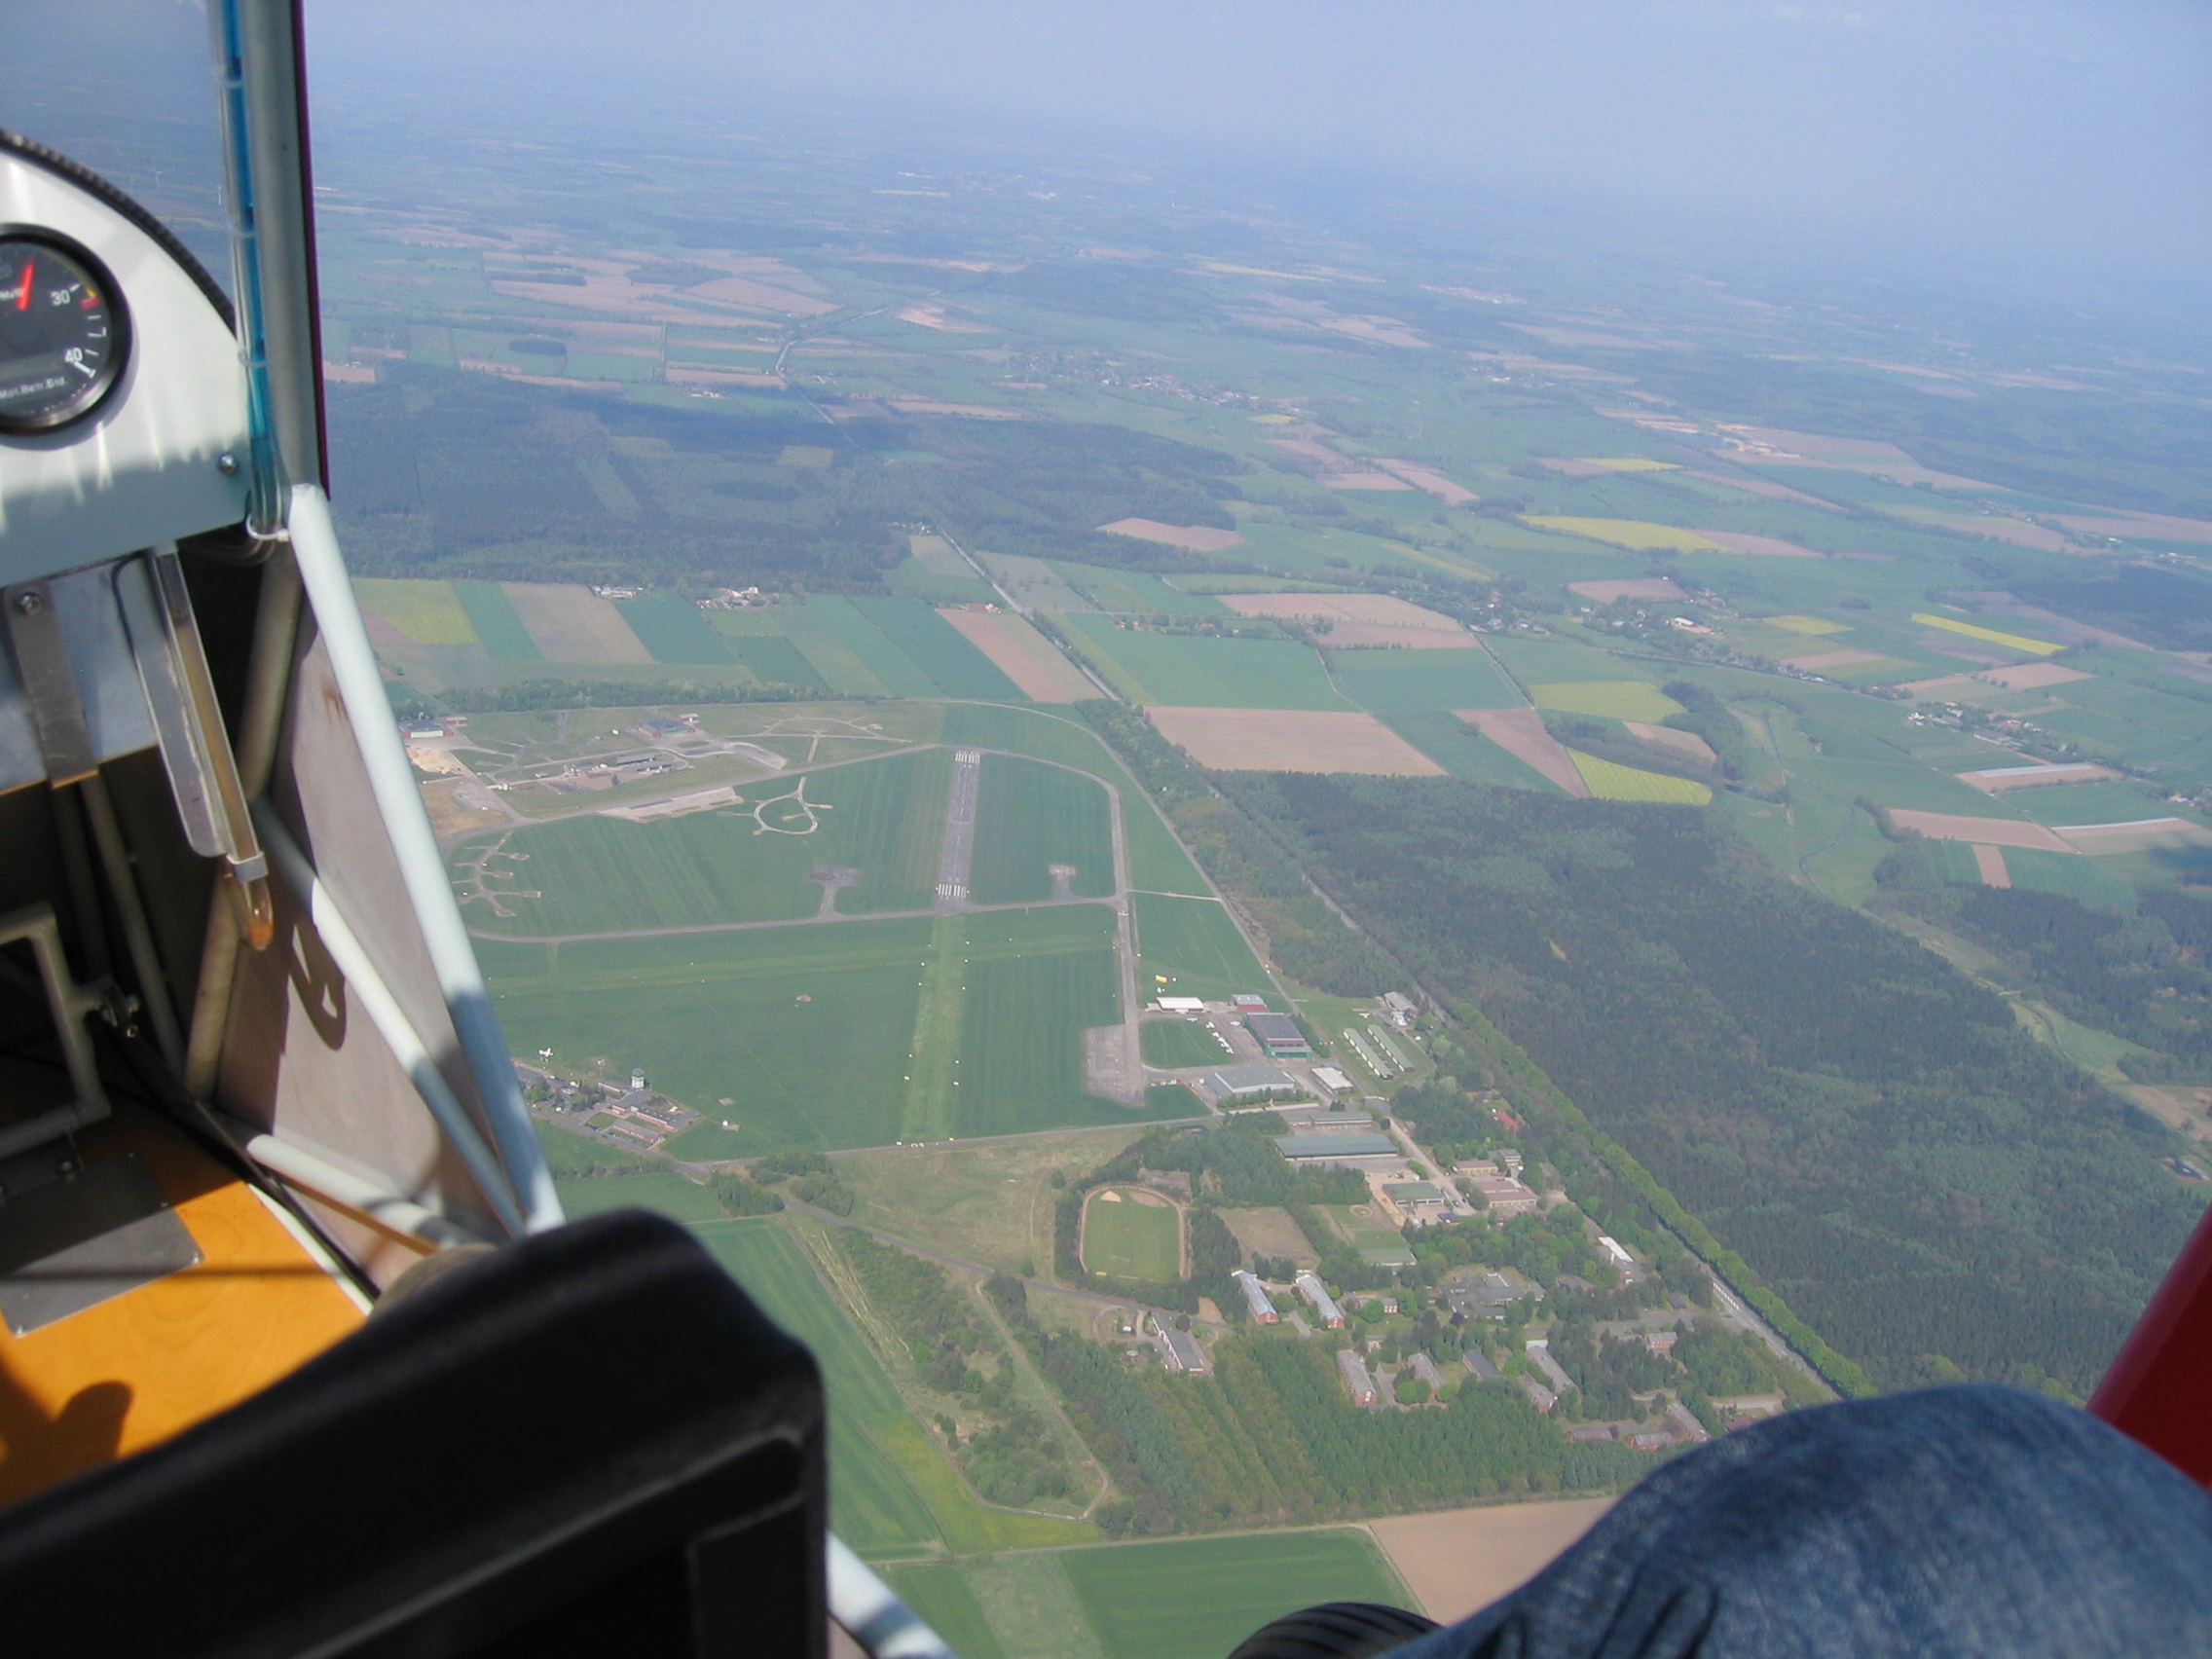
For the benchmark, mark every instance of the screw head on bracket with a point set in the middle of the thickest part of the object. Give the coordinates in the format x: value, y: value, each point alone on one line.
x: 226, y: 465
x: 29, y: 602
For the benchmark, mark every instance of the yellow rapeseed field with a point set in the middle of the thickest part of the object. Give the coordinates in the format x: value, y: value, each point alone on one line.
x: 2011, y: 642
x: 1633, y: 534
x: 1610, y: 782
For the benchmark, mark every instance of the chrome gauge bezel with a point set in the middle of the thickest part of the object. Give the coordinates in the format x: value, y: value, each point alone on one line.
x: 94, y: 395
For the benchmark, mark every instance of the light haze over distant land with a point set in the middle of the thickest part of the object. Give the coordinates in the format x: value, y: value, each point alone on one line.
x: 2055, y: 146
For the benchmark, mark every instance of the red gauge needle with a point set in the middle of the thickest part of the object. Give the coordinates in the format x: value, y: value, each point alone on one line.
x: 24, y: 294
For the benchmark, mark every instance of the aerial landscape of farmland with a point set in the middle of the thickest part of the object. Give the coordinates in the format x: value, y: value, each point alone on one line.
x: 1262, y: 888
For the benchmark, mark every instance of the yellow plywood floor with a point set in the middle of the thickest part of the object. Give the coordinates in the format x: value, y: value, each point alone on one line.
x: 131, y: 1372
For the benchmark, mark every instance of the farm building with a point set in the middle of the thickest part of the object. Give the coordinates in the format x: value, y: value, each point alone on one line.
x: 1331, y: 1079
x: 1244, y: 1002
x: 1278, y: 1035
x: 1236, y: 1082
x: 1356, y: 1378
x: 1400, y: 1008
x: 1502, y: 1194
x: 1336, y: 1143
x: 1255, y: 1297
x: 1323, y: 1304
x: 1180, y: 1005
x: 1180, y: 1351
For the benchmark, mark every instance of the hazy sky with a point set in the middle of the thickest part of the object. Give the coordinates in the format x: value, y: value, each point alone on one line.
x: 2015, y: 132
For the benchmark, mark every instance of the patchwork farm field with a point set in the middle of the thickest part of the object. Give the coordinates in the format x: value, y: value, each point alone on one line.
x: 1386, y: 682
x: 1131, y: 1234
x: 1463, y: 752
x: 595, y: 874
x: 1030, y: 815
x: 1198, y: 671
x: 1193, y: 945
x: 1285, y: 740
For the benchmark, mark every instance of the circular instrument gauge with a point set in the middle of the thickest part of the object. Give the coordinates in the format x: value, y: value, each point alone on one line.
x: 64, y: 331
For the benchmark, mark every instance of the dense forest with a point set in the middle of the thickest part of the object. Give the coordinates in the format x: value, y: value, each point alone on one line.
x: 445, y: 473
x: 1871, y: 1131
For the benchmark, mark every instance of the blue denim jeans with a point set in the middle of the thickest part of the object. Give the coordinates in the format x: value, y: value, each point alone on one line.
x: 1955, y: 1522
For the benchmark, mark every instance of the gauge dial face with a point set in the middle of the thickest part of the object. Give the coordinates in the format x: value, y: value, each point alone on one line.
x: 63, y: 332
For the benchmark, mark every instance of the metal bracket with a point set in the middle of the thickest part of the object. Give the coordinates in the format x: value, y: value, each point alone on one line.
x: 50, y: 682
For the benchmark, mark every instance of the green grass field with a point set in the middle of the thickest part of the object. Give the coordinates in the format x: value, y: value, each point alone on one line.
x: 1172, y: 1100
x: 1041, y: 736
x: 1034, y: 980
x: 892, y: 668
x: 1198, y: 1598
x: 1386, y: 681
x: 1194, y: 943
x: 807, y: 627
x: 1123, y: 1238
x: 1158, y: 863
x: 2084, y: 880
x: 1609, y: 699
x: 940, y: 1595
x: 595, y: 875
x: 2091, y: 803
x: 874, y: 1444
x: 670, y: 1194
x: 1030, y: 815
x: 719, y: 1016
x: 938, y: 649
x: 426, y: 613
x: 1135, y: 592
x: 492, y: 614
x: 1556, y: 661
x: 673, y: 628
x: 1180, y: 1043
x: 775, y: 661
x: 1196, y: 671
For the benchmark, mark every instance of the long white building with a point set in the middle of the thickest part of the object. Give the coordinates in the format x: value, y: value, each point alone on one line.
x: 1255, y: 1297
x: 1324, y: 1305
